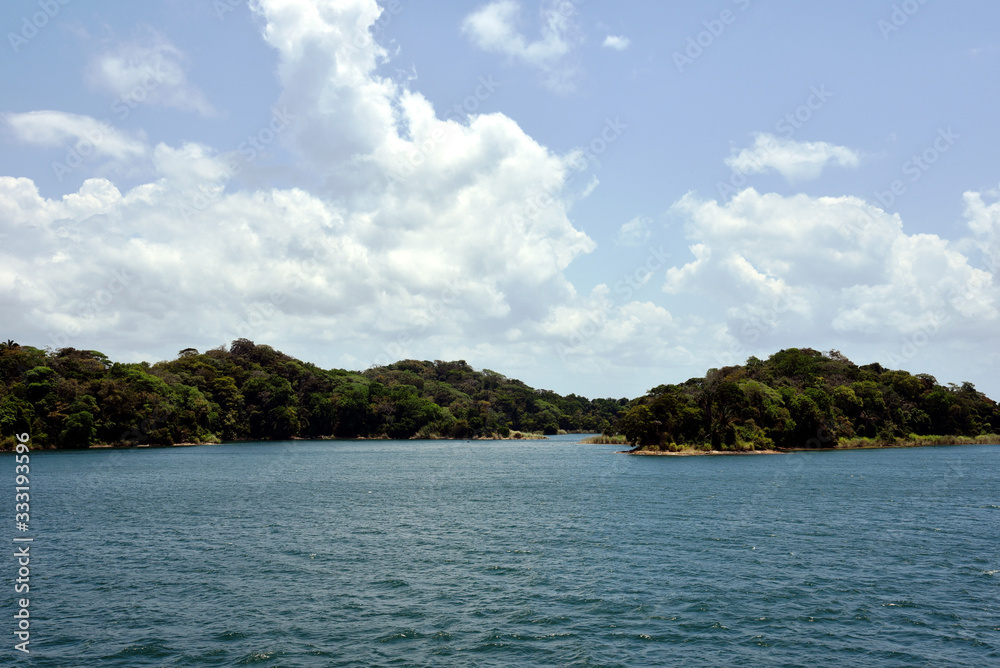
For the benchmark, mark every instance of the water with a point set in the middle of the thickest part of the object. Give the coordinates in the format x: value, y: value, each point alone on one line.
x: 516, y: 553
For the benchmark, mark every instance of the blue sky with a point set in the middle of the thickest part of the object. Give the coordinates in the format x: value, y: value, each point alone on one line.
x: 592, y: 197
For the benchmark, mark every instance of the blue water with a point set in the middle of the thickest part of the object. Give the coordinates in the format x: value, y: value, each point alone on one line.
x: 451, y: 553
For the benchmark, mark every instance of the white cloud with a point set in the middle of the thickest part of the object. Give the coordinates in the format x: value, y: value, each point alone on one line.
x: 149, y: 71
x: 457, y: 232
x: 494, y: 27
x: 796, y: 161
x: 984, y: 221
x: 635, y: 232
x: 819, y: 268
x: 405, y: 234
x: 88, y: 136
x: 617, y: 42
x: 601, y: 335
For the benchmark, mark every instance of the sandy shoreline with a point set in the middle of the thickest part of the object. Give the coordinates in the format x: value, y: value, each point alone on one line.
x: 864, y: 446
x: 701, y: 453
x: 109, y: 446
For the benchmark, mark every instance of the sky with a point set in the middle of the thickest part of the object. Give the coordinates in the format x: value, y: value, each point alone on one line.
x: 592, y: 197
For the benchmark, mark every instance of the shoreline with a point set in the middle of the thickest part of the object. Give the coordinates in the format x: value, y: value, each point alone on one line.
x: 109, y: 446
x: 514, y: 436
x: 690, y: 452
x: 942, y: 441
x: 702, y: 453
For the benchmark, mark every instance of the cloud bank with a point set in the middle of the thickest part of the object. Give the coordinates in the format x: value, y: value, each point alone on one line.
x: 403, y: 232
x: 831, y: 268
x: 460, y: 232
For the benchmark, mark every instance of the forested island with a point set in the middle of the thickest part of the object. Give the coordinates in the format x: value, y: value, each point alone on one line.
x: 79, y: 398
x: 803, y: 399
x: 797, y: 398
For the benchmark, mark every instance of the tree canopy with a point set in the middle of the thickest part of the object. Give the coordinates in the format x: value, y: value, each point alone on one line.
x: 800, y: 398
x: 76, y: 398
x: 797, y: 398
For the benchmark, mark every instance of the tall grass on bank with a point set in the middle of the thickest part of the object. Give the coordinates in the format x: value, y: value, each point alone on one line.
x: 915, y: 440
x: 601, y: 439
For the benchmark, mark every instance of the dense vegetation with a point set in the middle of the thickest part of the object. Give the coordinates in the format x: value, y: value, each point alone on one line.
x: 804, y: 399
x: 795, y: 399
x: 76, y: 398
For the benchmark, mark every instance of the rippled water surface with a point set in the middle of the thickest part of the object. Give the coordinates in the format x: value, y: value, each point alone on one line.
x: 450, y: 553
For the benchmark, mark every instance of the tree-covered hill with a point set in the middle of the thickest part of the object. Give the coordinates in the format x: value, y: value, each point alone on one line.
x: 76, y: 398
x: 797, y: 398
x: 800, y: 398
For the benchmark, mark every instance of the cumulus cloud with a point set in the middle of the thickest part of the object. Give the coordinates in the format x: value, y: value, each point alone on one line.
x: 827, y: 266
x: 410, y: 234
x: 605, y: 334
x: 494, y: 27
x: 794, y: 160
x: 458, y: 230
x: 617, y: 42
x: 437, y: 183
x: 984, y: 221
x: 148, y: 71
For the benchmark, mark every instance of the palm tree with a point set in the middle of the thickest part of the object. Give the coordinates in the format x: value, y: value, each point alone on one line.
x: 9, y: 345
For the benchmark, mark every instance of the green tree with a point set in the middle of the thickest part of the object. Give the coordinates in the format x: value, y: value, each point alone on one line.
x: 79, y: 429
x: 16, y: 416
x: 353, y: 413
x: 639, y: 426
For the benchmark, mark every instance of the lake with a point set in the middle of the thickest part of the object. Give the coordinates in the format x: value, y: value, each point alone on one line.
x: 481, y: 553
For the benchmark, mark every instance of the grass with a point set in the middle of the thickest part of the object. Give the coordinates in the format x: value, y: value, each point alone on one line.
x: 694, y: 448
x: 526, y: 435
x: 914, y: 440
x: 601, y: 439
